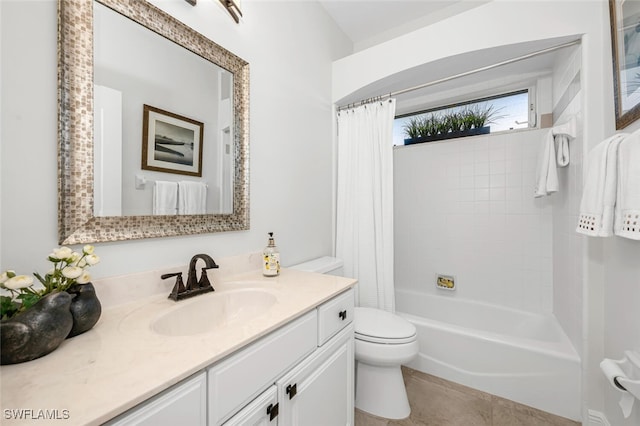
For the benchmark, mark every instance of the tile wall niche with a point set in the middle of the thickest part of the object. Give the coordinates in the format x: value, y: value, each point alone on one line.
x: 466, y: 208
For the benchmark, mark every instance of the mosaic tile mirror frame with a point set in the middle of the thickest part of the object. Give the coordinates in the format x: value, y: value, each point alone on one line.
x: 76, y: 220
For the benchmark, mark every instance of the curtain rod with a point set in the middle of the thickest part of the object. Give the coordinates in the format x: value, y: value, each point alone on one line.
x: 463, y: 74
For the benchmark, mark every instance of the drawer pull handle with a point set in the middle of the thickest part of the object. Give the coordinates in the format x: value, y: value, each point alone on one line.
x: 342, y: 315
x: 272, y: 411
x: 292, y: 390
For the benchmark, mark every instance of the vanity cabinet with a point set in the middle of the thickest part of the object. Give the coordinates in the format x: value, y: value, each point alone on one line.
x: 183, y: 404
x: 318, y: 391
x: 300, y: 374
x: 237, y: 380
x: 311, y: 362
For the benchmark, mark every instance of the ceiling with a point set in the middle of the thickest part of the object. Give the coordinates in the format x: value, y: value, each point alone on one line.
x: 369, y: 22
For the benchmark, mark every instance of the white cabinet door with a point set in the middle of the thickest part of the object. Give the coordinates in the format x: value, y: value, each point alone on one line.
x: 320, y: 391
x: 184, y: 404
x: 262, y: 411
x: 237, y: 380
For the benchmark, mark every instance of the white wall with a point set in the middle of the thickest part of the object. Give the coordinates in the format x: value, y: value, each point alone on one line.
x: 619, y: 290
x: 613, y: 284
x: 465, y: 207
x: 290, y: 48
x: 621, y: 296
x: 567, y: 244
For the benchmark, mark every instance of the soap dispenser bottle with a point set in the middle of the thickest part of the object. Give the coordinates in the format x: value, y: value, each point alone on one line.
x: 271, y: 259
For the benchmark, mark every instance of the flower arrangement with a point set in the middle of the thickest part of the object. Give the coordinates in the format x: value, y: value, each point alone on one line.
x: 69, y: 268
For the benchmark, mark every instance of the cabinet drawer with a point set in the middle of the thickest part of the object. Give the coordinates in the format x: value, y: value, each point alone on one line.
x: 334, y: 315
x: 235, y: 381
x: 259, y: 411
x: 184, y: 404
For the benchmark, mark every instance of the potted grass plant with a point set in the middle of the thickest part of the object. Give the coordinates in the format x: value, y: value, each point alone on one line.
x: 470, y: 121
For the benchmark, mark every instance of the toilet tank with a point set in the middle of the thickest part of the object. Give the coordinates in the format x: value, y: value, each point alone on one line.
x: 322, y: 265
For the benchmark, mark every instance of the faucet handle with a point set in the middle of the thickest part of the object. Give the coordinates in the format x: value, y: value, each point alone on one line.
x: 178, y: 288
x: 204, y: 279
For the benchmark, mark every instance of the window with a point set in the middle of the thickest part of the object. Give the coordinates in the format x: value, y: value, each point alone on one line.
x: 506, y: 112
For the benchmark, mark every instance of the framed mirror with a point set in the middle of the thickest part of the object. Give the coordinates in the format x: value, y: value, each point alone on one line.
x: 625, y: 48
x: 216, y: 126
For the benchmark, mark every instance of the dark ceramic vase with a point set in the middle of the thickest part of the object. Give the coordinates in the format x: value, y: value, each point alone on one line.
x: 85, y: 308
x: 37, y: 331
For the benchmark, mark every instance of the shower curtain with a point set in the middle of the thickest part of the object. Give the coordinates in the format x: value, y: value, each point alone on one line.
x: 364, y: 213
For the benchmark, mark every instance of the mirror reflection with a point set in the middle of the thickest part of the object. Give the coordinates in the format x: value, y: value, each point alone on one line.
x: 163, y: 124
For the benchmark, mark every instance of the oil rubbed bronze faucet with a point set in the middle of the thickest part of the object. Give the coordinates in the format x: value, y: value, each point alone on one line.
x: 194, y: 286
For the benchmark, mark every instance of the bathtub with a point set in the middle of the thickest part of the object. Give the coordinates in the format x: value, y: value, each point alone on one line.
x: 517, y: 355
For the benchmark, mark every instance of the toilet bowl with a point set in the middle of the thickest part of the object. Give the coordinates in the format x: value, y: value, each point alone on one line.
x: 383, y: 342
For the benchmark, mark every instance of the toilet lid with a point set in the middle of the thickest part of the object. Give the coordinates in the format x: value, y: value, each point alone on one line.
x: 378, y: 326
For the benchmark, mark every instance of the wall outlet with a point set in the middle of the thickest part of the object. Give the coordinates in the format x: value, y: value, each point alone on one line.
x: 445, y: 282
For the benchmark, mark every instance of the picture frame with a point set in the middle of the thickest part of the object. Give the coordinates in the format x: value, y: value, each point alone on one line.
x: 625, y: 50
x: 171, y: 143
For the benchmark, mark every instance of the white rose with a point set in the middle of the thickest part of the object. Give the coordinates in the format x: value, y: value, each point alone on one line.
x: 72, y: 272
x: 88, y: 249
x: 75, y: 256
x: 92, y: 259
x: 61, y: 253
x: 6, y: 275
x: 84, y: 278
x: 19, y: 281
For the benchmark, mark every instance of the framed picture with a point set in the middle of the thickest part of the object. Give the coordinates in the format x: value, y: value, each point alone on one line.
x: 625, y: 48
x: 171, y: 143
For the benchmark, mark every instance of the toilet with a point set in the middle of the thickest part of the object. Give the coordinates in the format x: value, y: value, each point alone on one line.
x: 383, y: 342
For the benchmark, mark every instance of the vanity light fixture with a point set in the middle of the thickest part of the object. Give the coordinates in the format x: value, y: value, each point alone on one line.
x: 234, y: 9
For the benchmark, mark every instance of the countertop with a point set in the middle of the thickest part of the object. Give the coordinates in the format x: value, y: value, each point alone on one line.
x: 121, y: 362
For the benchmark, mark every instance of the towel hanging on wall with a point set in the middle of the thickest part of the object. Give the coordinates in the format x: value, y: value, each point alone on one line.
x: 549, y: 158
x: 627, y: 213
x: 562, y: 152
x: 546, y: 173
x: 599, y: 193
x: 192, y: 197
x: 563, y: 133
x: 165, y: 198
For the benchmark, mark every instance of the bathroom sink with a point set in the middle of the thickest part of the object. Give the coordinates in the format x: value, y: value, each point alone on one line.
x: 246, y: 283
x: 212, y: 311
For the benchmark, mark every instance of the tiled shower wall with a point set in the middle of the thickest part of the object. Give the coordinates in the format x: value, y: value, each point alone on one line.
x: 465, y: 207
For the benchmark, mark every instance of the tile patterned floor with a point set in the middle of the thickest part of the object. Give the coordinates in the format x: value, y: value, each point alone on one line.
x: 438, y: 402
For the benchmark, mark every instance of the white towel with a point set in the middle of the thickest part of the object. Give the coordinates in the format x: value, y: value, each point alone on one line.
x: 599, y: 192
x: 568, y: 128
x: 165, y: 198
x: 192, y: 197
x: 563, y: 133
x: 627, y: 215
x: 546, y: 173
x: 562, y: 152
